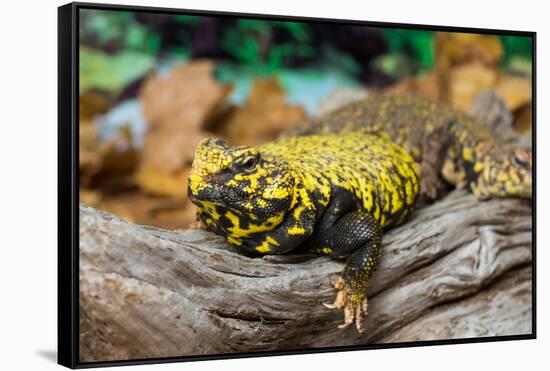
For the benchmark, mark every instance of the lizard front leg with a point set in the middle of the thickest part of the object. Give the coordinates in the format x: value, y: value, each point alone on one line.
x: 358, y: 236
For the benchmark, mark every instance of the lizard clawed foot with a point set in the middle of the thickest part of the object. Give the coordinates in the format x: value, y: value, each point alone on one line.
x: 355, y: 306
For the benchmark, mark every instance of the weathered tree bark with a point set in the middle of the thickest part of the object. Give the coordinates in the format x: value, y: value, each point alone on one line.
x: 458, y: 268
x: 503, y: 308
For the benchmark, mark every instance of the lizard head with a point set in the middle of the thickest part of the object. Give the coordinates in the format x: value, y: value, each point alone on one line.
x: 237, y: 182
x: 502, y: 172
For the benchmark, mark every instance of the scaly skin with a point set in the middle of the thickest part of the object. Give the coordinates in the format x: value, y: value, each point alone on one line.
x: 334, y: 184
x: 331, y: 193
x: 446, y: 143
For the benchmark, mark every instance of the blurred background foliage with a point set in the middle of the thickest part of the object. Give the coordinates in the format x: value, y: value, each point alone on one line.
x: 152, y: 85
x: 326, y: 55
x: 265, y: 47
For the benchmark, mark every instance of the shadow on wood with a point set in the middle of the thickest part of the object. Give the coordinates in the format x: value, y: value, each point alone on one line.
x: 458, y: 268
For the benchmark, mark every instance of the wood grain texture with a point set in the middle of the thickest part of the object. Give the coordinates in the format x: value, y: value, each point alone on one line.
x: 147, y: 292
x: 503, y: 308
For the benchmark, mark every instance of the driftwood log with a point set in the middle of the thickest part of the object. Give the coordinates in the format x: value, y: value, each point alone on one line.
x: 459, y: 268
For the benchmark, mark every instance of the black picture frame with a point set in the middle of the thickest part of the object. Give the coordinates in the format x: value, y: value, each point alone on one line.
x: 68, y: 184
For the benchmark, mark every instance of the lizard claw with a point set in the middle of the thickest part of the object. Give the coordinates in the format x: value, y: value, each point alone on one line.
x: 340, y: 301
x: 354, y: 310
x: 329, y: 305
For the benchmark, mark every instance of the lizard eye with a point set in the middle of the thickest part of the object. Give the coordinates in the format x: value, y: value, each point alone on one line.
x: 249, y: 164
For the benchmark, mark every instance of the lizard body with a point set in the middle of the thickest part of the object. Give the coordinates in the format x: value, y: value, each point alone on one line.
x: 334, y: 184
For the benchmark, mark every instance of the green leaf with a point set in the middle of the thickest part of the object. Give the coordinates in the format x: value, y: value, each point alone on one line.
x: 111, y: 72
x: 516, y: 46
x: 187, y: 19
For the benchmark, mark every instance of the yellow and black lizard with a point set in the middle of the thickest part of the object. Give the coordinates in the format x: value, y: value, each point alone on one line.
x: 333, y: 185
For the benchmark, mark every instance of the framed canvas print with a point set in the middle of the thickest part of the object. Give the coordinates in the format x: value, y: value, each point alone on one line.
x: 236, y: 185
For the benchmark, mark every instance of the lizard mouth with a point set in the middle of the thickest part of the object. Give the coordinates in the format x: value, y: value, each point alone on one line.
x: 199, y: 190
